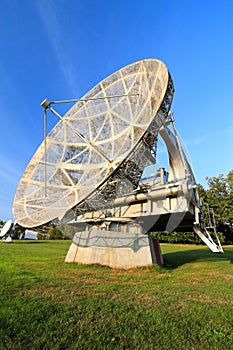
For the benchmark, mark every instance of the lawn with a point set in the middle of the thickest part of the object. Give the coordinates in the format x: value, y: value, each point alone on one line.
x: 47, y: 304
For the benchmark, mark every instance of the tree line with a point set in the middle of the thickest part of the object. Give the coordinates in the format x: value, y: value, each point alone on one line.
x: 219, y: 196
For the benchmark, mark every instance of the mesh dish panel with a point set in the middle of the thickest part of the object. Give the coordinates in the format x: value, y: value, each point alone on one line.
x: 97, y: 145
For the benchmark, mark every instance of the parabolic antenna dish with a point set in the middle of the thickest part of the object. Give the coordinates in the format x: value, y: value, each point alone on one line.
x: 99, y: 147
x: 5, y: 228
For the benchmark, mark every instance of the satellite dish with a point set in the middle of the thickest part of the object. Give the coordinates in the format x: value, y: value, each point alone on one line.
x: 100, y: 146
x: 5, y: 228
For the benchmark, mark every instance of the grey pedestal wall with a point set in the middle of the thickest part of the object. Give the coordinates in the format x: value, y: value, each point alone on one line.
x: 114, y: 249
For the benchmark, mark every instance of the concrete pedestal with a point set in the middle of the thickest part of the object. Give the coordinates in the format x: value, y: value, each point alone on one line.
x: 114, y: 249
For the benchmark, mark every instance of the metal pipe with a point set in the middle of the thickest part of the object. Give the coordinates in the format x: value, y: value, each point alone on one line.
x: 139, y: 197
x: 91, y: 99
x: 45, y: 151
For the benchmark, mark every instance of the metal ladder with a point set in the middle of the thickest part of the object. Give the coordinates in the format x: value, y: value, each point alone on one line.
x: 204, y: 234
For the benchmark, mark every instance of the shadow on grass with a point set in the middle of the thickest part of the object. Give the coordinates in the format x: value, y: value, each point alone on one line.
x: 175, y: 259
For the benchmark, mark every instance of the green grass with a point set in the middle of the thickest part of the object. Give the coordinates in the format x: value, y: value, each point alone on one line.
x: 47, y: 304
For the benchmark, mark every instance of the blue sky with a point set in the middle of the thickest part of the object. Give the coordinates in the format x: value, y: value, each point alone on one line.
x: 61, y: 48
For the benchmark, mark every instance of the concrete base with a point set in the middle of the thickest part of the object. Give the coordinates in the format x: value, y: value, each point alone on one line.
x: 114, y: 249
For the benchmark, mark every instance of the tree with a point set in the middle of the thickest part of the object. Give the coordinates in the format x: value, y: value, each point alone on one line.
x: 219, y: 196
x: 230, y: 179
x: 55, y: 233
